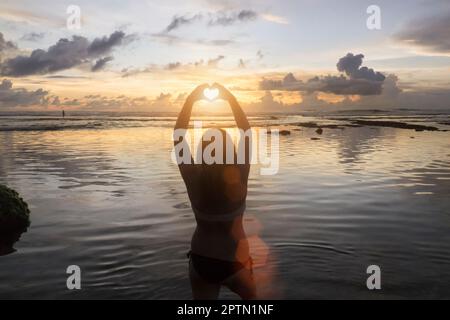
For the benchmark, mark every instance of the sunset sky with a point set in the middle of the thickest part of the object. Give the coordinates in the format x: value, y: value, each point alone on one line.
x: 274, y: 55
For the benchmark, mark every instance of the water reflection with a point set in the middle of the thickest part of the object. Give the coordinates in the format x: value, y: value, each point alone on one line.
x: 359, y: 142
x: 9, y: 235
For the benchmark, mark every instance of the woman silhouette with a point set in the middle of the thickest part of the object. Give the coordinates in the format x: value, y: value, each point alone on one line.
x: 219, y: 249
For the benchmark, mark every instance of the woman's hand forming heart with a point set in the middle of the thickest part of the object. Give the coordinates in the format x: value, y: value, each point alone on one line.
x: 197, y: 93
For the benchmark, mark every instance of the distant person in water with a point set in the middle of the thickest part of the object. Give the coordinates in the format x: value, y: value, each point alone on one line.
x: 219, y: 253
x: 63, y: 114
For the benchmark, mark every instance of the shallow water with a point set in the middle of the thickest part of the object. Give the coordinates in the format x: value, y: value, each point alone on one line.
x: 111, y: 201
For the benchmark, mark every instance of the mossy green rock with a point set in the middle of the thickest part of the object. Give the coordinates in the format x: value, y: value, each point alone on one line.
x: 14, y: 218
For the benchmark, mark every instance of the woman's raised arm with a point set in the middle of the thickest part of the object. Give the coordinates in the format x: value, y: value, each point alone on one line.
x: 238, y: 113
x: 242, y: 123
x: 185, y: 113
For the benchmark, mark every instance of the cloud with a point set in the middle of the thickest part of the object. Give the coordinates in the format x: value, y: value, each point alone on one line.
x: 431, y: 33
x: 65, y: 54
x: 214, y: 62
x: 260, y: 55
x: 215, y: 42
x: 178, y: 21
x: 163, y: 100
x: 11, y: 97
x: 275, y: 19
x: 358, y: 80
x: 33, y: 36
x: 99, y: 102
x: 390, y: 97
x: 351, y: 66
x: 223, y: 18
x: 341, y: 85
x: 219, y: 18
x: 267, y: 103
x: 171, y: 39
x: 101, y: 63
x: 104, y: 45
x: 6, y: 46
x: 173, y: 66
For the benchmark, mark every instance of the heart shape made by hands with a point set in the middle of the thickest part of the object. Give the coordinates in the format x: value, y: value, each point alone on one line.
x: 211, y: 93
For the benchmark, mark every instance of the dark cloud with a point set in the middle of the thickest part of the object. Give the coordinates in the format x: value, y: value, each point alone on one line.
x: 341, y: 85
x: 220, y: 18
x: 11, y: 97
x: 351, y: 66
x: 178, y: 21
x: 59, y: 76
x: 358, y: 80
x: 104, y: 45
x: 33, y: 36
x: 65, y: 54
x: 101, y: 63
x: 432, y: 33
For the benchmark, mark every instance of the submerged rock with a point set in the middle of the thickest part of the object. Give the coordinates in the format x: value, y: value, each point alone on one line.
x: 281, y: 132
x: 320, y: 126
x: 319, y: 131
x: 395, y: 124
x: 14, y: 219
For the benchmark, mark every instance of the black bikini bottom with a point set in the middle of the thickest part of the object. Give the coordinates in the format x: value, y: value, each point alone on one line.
x: 214, y: 270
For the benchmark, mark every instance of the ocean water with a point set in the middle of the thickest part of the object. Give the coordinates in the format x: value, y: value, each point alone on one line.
x: 105, y: 195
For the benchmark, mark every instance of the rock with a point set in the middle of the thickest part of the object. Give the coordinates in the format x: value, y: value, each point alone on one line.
x: 353, y: 125
x: 319, y: 131
x: 321, y: 126
x: 395, y: 124
x: 14, y: 219
x: 285, y: 132
x: 307, y: 124
x: 315, y: 138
